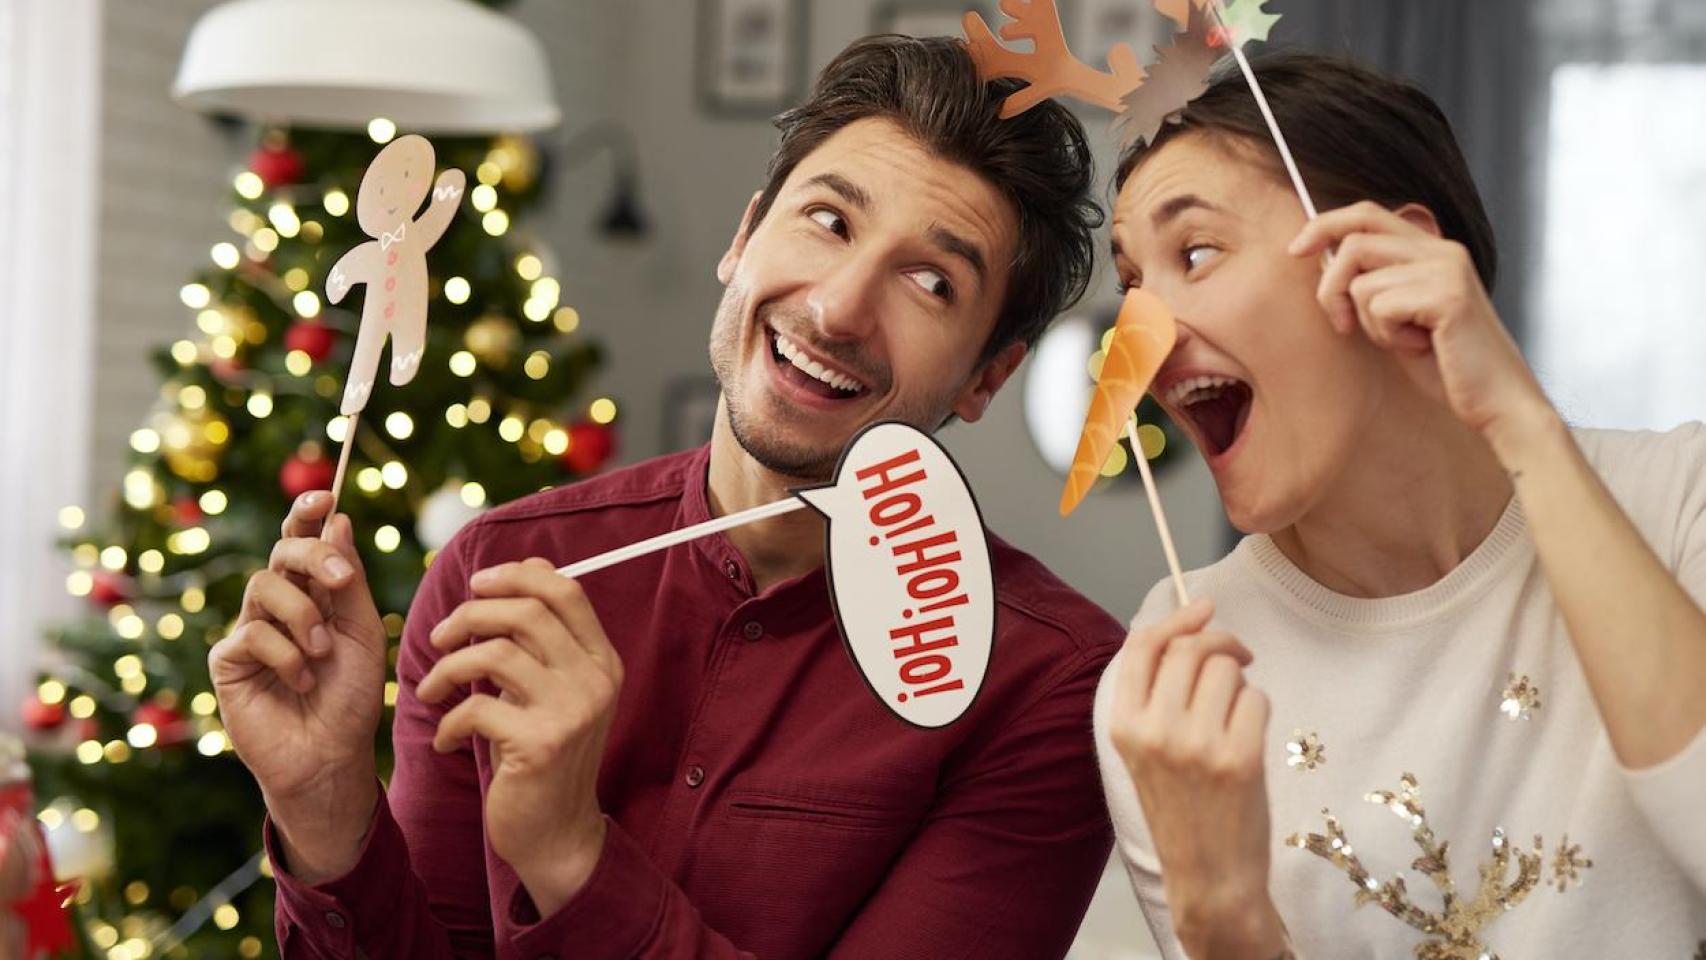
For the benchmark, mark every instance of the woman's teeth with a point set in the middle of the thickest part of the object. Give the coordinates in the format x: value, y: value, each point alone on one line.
x: 1192, y: 389
x: 791, y: 352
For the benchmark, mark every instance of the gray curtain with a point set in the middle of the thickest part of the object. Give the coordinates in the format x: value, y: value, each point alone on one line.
x: 1478, y: 59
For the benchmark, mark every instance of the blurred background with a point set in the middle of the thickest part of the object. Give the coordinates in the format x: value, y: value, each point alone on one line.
x: 164, y: 359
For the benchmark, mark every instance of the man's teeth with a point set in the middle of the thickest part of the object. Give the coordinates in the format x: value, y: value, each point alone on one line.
x: 1192, y: 389
x: 794, y: 355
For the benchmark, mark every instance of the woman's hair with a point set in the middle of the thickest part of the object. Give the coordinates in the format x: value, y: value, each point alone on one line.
x: 1356, y: 134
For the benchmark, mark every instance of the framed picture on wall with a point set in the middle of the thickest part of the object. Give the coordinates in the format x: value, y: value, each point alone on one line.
x: 752, y: 56
x: 927, y: 18
x: 1094, y: 26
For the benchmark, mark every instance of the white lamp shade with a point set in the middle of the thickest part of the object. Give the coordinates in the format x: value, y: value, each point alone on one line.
x: 431, y: 66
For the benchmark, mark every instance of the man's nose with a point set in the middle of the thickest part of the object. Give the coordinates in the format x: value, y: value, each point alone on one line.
x: 844, y: 301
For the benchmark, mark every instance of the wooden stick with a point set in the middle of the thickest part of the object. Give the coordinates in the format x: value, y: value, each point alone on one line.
x: 1155, y: 508
x: 1267, y: 112
x: 343, y: 464
x: 666, y: 540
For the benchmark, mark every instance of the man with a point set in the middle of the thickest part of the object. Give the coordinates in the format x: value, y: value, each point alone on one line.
x: 676, y: 758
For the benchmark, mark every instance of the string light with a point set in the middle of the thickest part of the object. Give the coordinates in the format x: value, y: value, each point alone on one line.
x: 473, y: 494
x: 184, y: 352
x: 336, y: 202
x: 115, y: 751
x: 528, y: 266
x: 211, y: 321
x: 337, y: 429
x: 307, y: 303
x: 369, y: 480
x: 190, y: 541
x: 70, y: 518
x: 298, y: 363
x: 259, y: 405
x: 548, y: 290
x: 79, y: 583
x: 151, y: 561
x: 249, y: 185
x: 265, y: 240
x: 204, y: 704
x: 399, y: 425
x: 462, y: 363
x: 567, y: 319
x: 457, y: 289
x: 296, y: 278
x: 225, y: 255
x: 537, y: 310
x: 88, y: 752
x: 484, y: 198
x: 192, y: 600
x: 86, y: 554
x: 381, y: 130
x: 479, y: 410
x: 557, y: 442
x: 212, y: 743
x: 538, y: 364
x: 142, y: 736
x: 195, y: 295
x: 144, y: 440
x: 1116, y: 463
x: 395, y: 475
x: 496, y: 222
x: 456, y: 415
x: 213, y: 502
x: 170, y: 627
x: 284, y: 219
x: 224, y: 347
x: 603, y: 410
x: 83, y: 707
x: 113, y: 558
x: 50, y: 692
x: 489, y: 172
x: 192, y: 397
x: 387, y: 538
x: 511, y: 428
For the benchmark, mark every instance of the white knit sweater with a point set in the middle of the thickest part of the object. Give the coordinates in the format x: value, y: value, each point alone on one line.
x: 1417, y: 684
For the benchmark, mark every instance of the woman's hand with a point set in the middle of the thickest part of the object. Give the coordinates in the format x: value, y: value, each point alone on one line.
x: 1418, y: 295
x: 1191, y: 734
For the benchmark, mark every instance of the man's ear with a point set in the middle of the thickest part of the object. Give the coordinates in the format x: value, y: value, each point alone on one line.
x: 737, y: 246
x: 1419, y: 216
x: 975, y: 398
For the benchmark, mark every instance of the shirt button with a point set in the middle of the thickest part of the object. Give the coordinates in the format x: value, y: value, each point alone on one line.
x: 335, y: 919
x: 695, y: 776
x: 731, y: 570
x: 752, y: 630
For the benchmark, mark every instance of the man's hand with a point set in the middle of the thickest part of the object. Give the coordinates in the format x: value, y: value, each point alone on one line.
x: 557, y: 679
x: 301, y: 683
x: 1190, y: 732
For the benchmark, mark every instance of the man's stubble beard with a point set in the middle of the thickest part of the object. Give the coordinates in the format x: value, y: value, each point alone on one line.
x: 793, y: 460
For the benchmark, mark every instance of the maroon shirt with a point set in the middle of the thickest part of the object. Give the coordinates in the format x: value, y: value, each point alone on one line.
x: 760, y: 801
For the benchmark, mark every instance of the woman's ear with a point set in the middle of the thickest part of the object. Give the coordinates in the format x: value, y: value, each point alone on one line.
x: 737, y: 246
x: 1417, y: 215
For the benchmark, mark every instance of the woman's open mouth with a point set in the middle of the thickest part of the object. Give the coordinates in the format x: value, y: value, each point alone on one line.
x: 800, y: 370
x: 1217, y: 407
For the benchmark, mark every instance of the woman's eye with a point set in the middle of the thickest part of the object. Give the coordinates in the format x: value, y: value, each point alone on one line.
x: 934, y: 282
x: 830, y: 220
x: 1196, y: 256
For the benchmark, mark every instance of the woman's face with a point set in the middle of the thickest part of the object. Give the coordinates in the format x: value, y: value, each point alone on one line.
x: 1275, y: 400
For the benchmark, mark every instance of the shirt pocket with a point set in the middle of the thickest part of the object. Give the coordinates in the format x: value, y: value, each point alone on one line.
x: 850, y: 812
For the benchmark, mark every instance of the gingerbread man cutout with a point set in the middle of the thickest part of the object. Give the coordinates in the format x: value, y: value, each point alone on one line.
x: 393, y: 264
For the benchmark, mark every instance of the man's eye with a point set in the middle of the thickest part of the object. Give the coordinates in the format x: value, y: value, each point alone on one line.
x: 1197, y: 255
x: 830, y: 220
x: 934, y: 282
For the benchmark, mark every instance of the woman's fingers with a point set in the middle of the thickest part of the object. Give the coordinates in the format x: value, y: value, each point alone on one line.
x: 1331, y: 228
x: 1218, y: 683
x: 1145, y: 645
x: 1181, y: 667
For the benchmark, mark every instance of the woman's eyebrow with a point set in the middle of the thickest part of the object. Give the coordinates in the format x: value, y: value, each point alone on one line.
x: 1169, y: 211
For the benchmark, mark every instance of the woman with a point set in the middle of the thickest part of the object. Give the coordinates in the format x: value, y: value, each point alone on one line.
x: 1454, y: 605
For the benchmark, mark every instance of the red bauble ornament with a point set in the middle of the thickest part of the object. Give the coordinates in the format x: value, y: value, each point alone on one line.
x: 311, y: 337
x: 169, y: 725
x: 301, y: 474
x: 277, y: 166
x: 186, y: 512
x: 590, y: 446
x: 42, y: 716
x: 109, y: 589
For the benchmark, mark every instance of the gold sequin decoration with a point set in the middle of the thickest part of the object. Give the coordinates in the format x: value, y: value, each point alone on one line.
x: 1568, y: 863
x: 1520, y: 699
x: 1305, y: 752
x: 1455, y: 930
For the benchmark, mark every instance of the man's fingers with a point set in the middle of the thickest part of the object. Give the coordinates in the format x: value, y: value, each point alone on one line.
x: 307, y: 515
x: 311, y: 558
x: 538, y: 579
x: 481, y: 714
x: 258, y: 643
x: 500, y: 661
x: 271, y: 596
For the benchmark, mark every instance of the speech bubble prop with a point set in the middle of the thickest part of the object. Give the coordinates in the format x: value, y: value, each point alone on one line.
x: 908, y: 564
x: 909, y: 572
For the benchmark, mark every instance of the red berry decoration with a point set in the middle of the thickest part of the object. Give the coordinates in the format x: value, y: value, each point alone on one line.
x: 42, y: 716
x: 277, y: 166
x: 301, y: 474
x: 110, y: 589
x: 590, y: 447
x: 311, y: 337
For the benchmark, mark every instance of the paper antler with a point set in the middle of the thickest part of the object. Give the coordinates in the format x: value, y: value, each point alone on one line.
x: 1051, y: 69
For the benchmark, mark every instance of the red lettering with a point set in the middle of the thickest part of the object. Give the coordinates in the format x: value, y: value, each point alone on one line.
x: 917, y: 549
x: 890, y: 482
x: 933, y: 583
x: 883, y: 513
x: 917, y: 632
x: 913, y: 671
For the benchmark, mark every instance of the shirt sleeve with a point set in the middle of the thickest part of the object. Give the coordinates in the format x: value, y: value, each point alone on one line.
x: 1668, y: 793
x: 1132, y: 842
x: 1006, y: 863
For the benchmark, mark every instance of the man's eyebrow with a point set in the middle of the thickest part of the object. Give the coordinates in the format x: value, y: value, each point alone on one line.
x: 844, y: 188
x: 959, y: 246
x: 1173, y: 208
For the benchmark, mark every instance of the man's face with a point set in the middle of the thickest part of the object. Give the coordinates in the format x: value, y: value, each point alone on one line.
x: 867, y: 293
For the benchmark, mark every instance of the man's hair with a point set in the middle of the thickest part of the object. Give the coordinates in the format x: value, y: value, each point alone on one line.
x: 1355, y: 133
x: 1038, y: 160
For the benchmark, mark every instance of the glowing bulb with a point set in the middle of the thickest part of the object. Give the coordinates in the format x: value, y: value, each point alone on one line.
x: 603, y: 410
x: 369, y: 480
x: 489, y: 172
x: 169, y: 627
x: 204, y: 704
x: 298, y: 363
x: 113, y: 558
x: 259, y: 405
x: 195, y: 295
x: 557, y: 442
x: 336, y: 202
x: 79, y: 583
x: 395, y: 475
x: 192, y: 397
x: 50, y: 692
x: 142, y: 736
x: 70, y: 518
x: 226, y: 256
x: 212, y: 743
x: 462, y: 363
x: 213, y: 502
x: 387, y: 539
x: 399, y: 425
x: 473, y: 494
x: 129, y: 665
x: 381, y: 130
x: 249, y: 185
x: 184, y: 352
x: 265, y: 240
x: 495, y: 222
x: 547, y: 289
x: 337, y: 429
x: 479, y: 410
x: 456, y: 290
x: 140, y: 491
x: 538, y: 364
x: 306, y: 303
x: 88, y: 752
x: 296, y: 278
x: 511, y: 428
x: 151, y: 561
x: 483, y: 197
x: 83, y: 707
x: 192, y: 600
x: 567, y: 319
x: 528, y: 266
x: 456, y: 415
x: 211, y: 321
x: 537, y: 310
x: 284, y: 219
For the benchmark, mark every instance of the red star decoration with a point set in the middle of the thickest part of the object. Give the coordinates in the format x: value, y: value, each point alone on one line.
x: 47, y: 928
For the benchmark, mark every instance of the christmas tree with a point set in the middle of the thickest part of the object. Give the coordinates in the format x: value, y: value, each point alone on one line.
x: 141, y: 796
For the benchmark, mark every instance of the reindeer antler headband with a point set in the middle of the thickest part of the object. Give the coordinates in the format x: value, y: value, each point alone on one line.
x: 1142, y: 99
